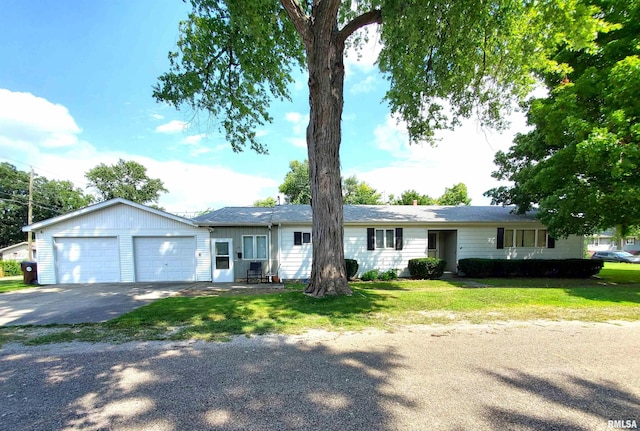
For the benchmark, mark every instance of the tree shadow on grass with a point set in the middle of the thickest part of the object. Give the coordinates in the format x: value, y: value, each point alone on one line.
x: 563, y: 395
x: 244, y: 385
x: 252, y: 314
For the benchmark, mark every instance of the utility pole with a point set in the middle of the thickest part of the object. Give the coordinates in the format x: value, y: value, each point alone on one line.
x: 30, y: 216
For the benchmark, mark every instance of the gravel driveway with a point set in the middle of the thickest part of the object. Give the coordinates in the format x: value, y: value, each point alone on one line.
x: 513, y: 376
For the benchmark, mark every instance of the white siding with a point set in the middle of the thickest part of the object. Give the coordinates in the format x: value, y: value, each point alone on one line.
x: 471, y: 241
x: 46, y: 261
x: 414, y: 246
x: 123, y: 222
x: 481, y: 242
x: 295, y: 259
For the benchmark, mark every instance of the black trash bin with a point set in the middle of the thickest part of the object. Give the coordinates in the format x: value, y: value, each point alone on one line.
x: 29, y: 272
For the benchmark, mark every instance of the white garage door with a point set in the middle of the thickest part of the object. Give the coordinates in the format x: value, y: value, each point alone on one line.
x: 87, y: 260
x: 165, y: 259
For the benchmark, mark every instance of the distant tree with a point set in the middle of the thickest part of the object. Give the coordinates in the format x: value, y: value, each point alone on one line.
x: 409, y: 196
x: 359, y: 193
x: 50, y: 198
x: 125, y: 179
x: 456, y: 195
x: 268, y: 202
x: 296, y: 186
x: 580, y: 165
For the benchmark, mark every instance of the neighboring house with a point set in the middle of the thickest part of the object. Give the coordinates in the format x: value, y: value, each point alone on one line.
x: 121, y: 241
x: 606, y: 240
x: 18, y: 252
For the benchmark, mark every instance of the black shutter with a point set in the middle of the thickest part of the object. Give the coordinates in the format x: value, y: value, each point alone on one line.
x: 297, y: 238
x: 398, y: 238
x: 500, y: 238
x: 551, y: 242
x: 371, y: 238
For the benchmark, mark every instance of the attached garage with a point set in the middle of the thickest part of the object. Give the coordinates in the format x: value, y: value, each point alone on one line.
x: 121, y: 241
x: 165, y: 259
x: 87, y: 260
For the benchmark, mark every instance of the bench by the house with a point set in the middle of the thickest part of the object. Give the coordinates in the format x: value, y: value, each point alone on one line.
x: 255, y: 272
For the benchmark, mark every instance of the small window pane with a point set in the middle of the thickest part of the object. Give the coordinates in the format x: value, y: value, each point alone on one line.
x: 508, y: 237
x: 432, y: 239
x: 542, y: 238
x: 525, y: 237
x: 222, y: 248
x: 379, y: 238
x: 222, y: 262
x: 306, y: 238
x: 261, y: 247
x: 247, y: 247
x: 390, y: 237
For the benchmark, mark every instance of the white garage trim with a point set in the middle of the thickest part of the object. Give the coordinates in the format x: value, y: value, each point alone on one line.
x: 165, y: 258
x: 87, y: 260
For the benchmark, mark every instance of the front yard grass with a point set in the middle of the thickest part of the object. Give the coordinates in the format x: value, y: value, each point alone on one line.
x: 8, y: 284
x: 614, y: 295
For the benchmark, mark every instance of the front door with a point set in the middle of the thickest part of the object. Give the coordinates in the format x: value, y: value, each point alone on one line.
x: 222, y: 260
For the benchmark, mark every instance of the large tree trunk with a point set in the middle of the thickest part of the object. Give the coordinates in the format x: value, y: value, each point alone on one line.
x: 325, y: 52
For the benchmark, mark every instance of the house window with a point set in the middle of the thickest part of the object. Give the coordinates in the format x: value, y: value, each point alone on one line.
x: 384, y: 238
x: 254, y: 247
x: 524, y: 238
x: 631, y: 241
x: 300, y: 238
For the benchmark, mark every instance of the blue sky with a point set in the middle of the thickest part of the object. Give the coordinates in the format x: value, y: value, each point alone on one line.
x: 75, y: 91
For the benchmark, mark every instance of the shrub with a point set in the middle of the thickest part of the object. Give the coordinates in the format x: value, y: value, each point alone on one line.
x: 370, y: 275
x: 10, y: 267
x: 565, y: 268
x: 391, y: 274
x: 351, y: 266
x: 426, y: 268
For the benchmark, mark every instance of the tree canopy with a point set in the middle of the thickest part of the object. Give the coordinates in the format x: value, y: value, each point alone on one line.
x: 580, y: 164
x: 50, y: 198
x: 296, y: 186
x: 357, y: 192
x: 234, y: 58
x: 455, y: 195
x: 125, y: 179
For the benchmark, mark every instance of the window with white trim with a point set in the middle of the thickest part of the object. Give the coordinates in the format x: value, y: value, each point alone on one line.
x: 631, y: 241
x: 300, y: 238
x: 384, y: 238
x: 254, y: 247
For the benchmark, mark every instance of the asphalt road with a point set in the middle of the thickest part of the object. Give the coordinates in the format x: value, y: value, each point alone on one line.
x: 533, y: 376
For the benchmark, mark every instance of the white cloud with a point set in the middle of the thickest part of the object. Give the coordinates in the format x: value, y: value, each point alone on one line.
x: 157, y: 116
x: 192, y: 186
x: 364, y: 57
x: 463, y: 155
x: 300, y: 122
x: 194, y: 139
x: 367, y: 85
x: 30, y: 120
x: 173, y: 126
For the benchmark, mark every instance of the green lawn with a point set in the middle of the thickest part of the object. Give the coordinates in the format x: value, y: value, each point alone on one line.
x: 615, y: 295
x: 7, y: 284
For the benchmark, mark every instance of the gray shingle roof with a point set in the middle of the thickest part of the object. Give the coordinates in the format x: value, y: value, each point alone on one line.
x: 292, y: 214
